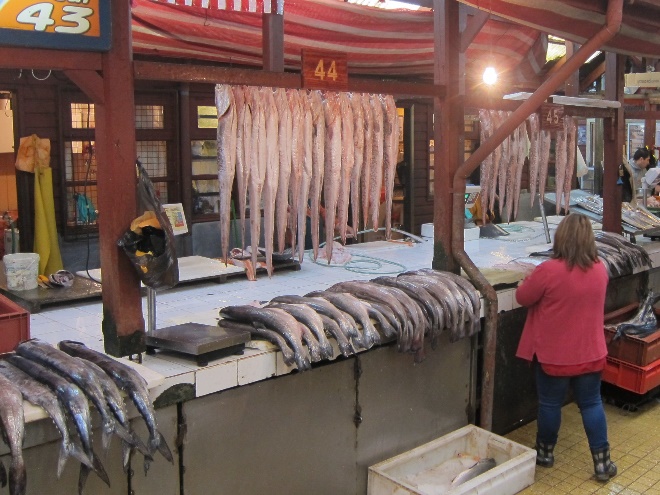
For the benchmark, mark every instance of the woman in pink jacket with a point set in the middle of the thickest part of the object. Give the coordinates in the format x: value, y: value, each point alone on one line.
x: 564, y: 337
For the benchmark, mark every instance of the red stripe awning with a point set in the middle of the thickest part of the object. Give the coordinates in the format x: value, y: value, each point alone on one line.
x: 579, y: 20
x: 265, y: 6
x: 376, y: 41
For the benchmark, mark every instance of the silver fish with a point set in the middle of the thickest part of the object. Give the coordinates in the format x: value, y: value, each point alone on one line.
x: 505, y: 164
x: 350, y: 304
x: 40, y: 395
x: 297, y: 158
x: 73, y: 370
x: 311, y: 319
x: 497, y: 160
x: 480, y: 467
x: 560, y: 167
x: 520, y: 164
x: 74, y: 401
x: 332, y: 328
x: 442, y: 294
x: 273, y: 337
x: 571, y: 131
x: 226, y: 142
x: 487, y: 165
x: 276, y: 320
x: 544, y: 157
x: 129, y: 381
x: 13, y: 426
x: 384, y: 316
x: 258, y: 165
x: 345, y: 321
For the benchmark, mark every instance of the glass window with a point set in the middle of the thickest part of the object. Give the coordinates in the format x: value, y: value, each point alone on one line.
x: 153, y: 156
x: 149, y: 117
x: 207, y: 117
x: 82, y: 116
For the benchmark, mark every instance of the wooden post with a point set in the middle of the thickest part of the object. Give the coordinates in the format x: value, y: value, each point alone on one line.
x: 613, y: 143
x: 572, y: 84
x: 273, y: 40
x: 447, y: 128
x: 123, y: 323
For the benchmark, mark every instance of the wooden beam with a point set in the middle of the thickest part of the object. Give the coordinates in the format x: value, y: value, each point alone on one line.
x: 572, y: 83
x: 38, y: 58
x: 474, y: 25
x: 90, y: 82
x: 613, y: 131
x: 592, y: 76
x: 642, y: 114
x: 154, y: 71
x: 272, y: 26
x: 123, y: 323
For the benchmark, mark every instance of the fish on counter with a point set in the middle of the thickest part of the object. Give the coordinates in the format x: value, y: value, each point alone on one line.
x: 310, y: 319
x: 132, y: 384
x: 40, y: 395
x: 13, y: 429
x: 480, y: 467
x: 264, y: 334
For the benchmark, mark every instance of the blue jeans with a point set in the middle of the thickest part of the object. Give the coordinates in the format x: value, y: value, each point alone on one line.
x: 552, y: 391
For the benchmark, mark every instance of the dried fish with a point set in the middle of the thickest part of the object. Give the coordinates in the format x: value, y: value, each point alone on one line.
x: 226, y: 139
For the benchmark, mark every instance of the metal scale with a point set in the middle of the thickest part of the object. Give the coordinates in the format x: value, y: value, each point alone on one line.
x: 204, y: 342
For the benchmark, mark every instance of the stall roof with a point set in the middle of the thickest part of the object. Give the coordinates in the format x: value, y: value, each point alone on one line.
x: 377, y: 42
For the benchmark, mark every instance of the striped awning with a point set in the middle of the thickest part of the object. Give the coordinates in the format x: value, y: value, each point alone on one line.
x: 579, y: 20
x: 375, y: 41
x: 265, y: 6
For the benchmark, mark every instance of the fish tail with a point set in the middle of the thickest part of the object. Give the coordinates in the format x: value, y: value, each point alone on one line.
x: 82, y: 478
x: 158, y: 443
x: 99, y: 469
x: 130, y: 437
x: 61, y: 460
x: 106, y: 435
x: 77, y: 453
x: 126, y: 450
x: 17, y: 476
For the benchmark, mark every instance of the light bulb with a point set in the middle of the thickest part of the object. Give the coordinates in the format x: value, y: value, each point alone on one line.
x: 490, y: 76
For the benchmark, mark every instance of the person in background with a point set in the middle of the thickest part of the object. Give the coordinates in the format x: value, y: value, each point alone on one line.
x: 639, y: 164
x: 563, y: 337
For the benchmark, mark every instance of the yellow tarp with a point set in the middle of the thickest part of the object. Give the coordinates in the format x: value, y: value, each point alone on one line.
x: 45, y: 229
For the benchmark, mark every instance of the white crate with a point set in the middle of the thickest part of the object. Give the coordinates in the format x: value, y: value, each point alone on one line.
x: 429, y: 468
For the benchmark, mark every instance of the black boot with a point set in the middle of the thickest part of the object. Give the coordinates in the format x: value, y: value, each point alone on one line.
x: 544, y: 455
x: 603, y: 467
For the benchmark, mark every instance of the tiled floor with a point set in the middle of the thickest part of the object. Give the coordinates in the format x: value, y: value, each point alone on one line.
x: 635, y: 445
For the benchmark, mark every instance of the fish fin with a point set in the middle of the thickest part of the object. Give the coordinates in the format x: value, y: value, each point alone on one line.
x: 82, y: 478
x: 158, y: 443
x: 129, y: 436
x: 78, y: 454
x: 106, y: 436
x: 126, y: 450
x: 61, y: 461
x: 98, y: 469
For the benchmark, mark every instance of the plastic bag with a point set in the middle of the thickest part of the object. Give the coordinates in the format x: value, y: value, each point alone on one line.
x: 149, y: 242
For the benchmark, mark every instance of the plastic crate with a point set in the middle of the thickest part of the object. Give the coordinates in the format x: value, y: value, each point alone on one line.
x: 638, y: 379
x: 633, y: 350
x: 14, y: 324
x: 429, y: 469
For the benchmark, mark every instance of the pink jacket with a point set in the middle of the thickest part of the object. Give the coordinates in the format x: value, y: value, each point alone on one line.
x: 565, y: 316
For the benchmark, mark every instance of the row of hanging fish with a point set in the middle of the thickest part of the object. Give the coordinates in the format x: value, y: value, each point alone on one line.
x: 501, y: 171
x: 293, y: 150
x: 407, y: 308
x: 63, y: 381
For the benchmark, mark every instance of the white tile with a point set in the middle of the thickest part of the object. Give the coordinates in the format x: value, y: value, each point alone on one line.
x: 216, y: 377
x: 256, y: 365
x: 170, y: 381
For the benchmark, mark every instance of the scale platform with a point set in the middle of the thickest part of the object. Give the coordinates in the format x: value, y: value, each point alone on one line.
x: 202, y: 341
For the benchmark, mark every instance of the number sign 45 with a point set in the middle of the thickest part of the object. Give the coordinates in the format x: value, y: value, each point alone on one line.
x: 324, y: 70
x: 552, y: 117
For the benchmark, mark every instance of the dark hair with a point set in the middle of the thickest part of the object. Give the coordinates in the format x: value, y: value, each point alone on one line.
x: 574, y: 242
x: 641, y: 153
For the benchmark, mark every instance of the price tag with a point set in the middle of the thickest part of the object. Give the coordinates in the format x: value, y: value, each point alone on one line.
x: 324, y: 70
x: 75, y: 24
x: 552, y: 117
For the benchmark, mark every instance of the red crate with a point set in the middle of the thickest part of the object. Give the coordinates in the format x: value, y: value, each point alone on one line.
x: 638, y: 379
x: 14, y: 324
x: 633, y: 350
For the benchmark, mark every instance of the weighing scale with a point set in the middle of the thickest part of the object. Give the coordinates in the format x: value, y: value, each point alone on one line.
x: 202, y: 341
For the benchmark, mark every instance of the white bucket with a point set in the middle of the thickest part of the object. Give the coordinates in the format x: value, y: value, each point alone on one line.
x: 22, y: 270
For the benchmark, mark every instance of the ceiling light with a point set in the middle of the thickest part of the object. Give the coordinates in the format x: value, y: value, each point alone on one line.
x: 490, y: 76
